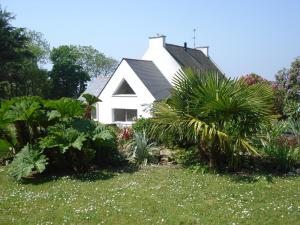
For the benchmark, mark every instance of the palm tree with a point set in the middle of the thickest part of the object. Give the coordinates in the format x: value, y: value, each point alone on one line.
x: 90, y: 100
x: 220, y: 115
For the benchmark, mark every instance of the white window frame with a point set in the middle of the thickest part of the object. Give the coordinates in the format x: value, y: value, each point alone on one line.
x: 126, y: 120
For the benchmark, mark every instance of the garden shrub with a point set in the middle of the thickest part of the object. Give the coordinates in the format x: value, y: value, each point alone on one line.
x: 189, y: 158
x: 142, y: 150
x: 109, y: 157
x: 107, y: 153
x: 28, y: 161
x: 159, y: 136
x: 142, y: 124
x: 281, y: 144
x: 284, y: 156
x: 79, y: 140
x: 52, y: 135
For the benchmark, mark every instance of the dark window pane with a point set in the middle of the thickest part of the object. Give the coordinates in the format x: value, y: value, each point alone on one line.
x: 124, y: 89
x: 119, y: 114
x: 131, y: 114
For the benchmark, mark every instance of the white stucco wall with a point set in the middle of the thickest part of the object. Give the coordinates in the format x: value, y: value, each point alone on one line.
x: 157, y: 53
x: 140, y: 101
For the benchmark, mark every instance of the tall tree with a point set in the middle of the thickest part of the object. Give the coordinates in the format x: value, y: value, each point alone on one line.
x: 39, y: 46
x: 94, y: 62
x: 20, y: 53
x: 90, y: 59
x: 13, y: 51
x: 67, y: 78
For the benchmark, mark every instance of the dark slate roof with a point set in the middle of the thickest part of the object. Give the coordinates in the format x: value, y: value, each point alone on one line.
x: 151, y: 76
x: 192, y: 58
x: 95, y: 86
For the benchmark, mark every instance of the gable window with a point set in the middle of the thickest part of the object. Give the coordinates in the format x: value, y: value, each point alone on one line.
x: 124, y: 115
x: 124, y: 89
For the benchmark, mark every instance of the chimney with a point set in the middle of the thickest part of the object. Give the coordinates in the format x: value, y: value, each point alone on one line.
x: 204, y: 49
x: 157, y: 41
x: 185, y: 46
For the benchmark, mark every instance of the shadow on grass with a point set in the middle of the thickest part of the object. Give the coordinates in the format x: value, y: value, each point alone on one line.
x: 92, y: 176
x: 255, y: 177
x: 244, y: 178
x: 252, y: 178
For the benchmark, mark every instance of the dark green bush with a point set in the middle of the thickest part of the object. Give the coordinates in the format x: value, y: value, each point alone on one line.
x: 284, y: 156
x: 53, y: 135
x: 187, y: 157
x: 159, y: 136
x: 142, y: 124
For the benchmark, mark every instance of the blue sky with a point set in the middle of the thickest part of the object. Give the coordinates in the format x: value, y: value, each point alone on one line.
x: 244, y: 36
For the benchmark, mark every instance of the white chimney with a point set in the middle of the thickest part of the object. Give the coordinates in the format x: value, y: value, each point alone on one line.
x: 203, y: 49
x: 157, y: 41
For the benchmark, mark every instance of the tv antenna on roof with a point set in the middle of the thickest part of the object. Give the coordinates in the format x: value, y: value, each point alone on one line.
x: 194, y: 37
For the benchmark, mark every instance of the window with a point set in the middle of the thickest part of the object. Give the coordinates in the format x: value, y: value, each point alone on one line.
x: 94, y: 113
x: 124, y: 115
x: 124, y: 89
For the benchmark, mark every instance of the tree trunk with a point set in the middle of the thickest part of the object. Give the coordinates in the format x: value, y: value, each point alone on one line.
x: 22, y: 135
x: 214, y: 160
x: 202, y: 150
x: 88, y: 113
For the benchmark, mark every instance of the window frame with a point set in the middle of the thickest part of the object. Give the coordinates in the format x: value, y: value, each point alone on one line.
x: 126, y: 115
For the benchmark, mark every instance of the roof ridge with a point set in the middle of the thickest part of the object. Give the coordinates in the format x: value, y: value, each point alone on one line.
x: 183, y: 47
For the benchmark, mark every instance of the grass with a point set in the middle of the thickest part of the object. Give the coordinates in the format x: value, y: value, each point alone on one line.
x: 154, y: 195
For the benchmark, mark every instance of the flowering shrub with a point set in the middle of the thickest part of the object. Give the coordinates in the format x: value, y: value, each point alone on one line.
x: 253, y: 78
x: 287, y: 86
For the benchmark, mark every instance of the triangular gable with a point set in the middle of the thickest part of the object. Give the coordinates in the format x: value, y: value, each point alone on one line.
x: 124, y: 89
x: 155, y: 82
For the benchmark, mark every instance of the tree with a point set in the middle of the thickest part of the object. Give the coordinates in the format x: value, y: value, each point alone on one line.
x: 90, y: 101
x: 90, y: 59
x: 95, y: 62
x: 220, y: 115
x: 254, y: 78
x: 67, y: 78
x: 13, y: 40
x: 38, y: 46
x: 20, y: 53
x: 287, y: 87
x: 13, y: 51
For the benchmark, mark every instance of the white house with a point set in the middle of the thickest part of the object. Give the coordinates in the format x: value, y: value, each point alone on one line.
x: 137, y: 83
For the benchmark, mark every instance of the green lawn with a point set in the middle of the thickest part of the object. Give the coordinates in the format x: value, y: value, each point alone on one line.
x: 154, y: 195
